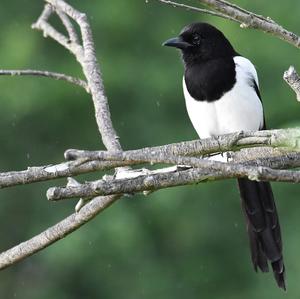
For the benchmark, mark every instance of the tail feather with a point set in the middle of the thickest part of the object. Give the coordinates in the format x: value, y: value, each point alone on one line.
x: 258, y: 257
x: 279, y: 271
x: 263, y: 227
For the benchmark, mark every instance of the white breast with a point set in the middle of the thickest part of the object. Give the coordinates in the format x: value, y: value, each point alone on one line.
x: 239, y: 109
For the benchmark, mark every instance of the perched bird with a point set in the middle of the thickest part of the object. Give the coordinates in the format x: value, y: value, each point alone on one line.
x: 222, y: 96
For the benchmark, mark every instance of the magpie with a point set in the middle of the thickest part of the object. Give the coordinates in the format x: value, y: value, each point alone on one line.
x: 222, y: 96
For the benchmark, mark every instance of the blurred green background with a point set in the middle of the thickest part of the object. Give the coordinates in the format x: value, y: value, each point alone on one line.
x: 183, y: 242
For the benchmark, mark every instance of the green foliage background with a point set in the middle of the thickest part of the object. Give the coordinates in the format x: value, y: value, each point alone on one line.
x: 187, y: 242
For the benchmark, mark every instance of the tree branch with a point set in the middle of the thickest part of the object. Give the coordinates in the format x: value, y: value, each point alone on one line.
x: 69, y: 27
x: 246, y: 18
x: 53, y: 75
x: 56, y: 232
x: 98, y: 204
x: 197, y: 9
x: 49, y: 31
x: 50, y: 172
x: 293, y: 80
x: 90, y: 67
x: 85, y: 55
x: 276, y: 158
x: 251, y: 20
x: 288, y: 138
x: 89, y: 161
x: 205, y: 170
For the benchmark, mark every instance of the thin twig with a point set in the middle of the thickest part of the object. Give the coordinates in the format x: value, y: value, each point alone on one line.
x: 53, y: 75
x: 246, y: 18
x: 196, y: 9
x: 49, y: 31
x: 46, y: 13
x: 69, y: 27
x: 238, y: 8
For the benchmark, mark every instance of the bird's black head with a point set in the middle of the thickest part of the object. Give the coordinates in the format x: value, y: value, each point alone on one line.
x: 200, y: 42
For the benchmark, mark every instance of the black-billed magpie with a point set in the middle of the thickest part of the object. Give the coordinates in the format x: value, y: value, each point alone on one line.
x: 222, y: 96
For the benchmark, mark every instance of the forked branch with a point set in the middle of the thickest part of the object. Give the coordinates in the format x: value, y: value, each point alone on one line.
x: 85, y: 55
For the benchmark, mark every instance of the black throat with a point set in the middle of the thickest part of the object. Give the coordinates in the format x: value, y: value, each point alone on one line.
x: 209, y: 80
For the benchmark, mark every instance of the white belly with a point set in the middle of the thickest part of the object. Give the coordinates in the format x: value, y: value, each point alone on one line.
x: 240, y: 109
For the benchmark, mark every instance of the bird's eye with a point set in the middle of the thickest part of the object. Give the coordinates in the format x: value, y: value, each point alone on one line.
x: 196, y: 39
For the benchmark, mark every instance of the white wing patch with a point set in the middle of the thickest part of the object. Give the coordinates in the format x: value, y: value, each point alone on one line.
x: 239, y: 109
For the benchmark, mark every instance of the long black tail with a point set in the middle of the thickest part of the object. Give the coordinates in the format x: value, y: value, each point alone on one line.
x: 263, y: 227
